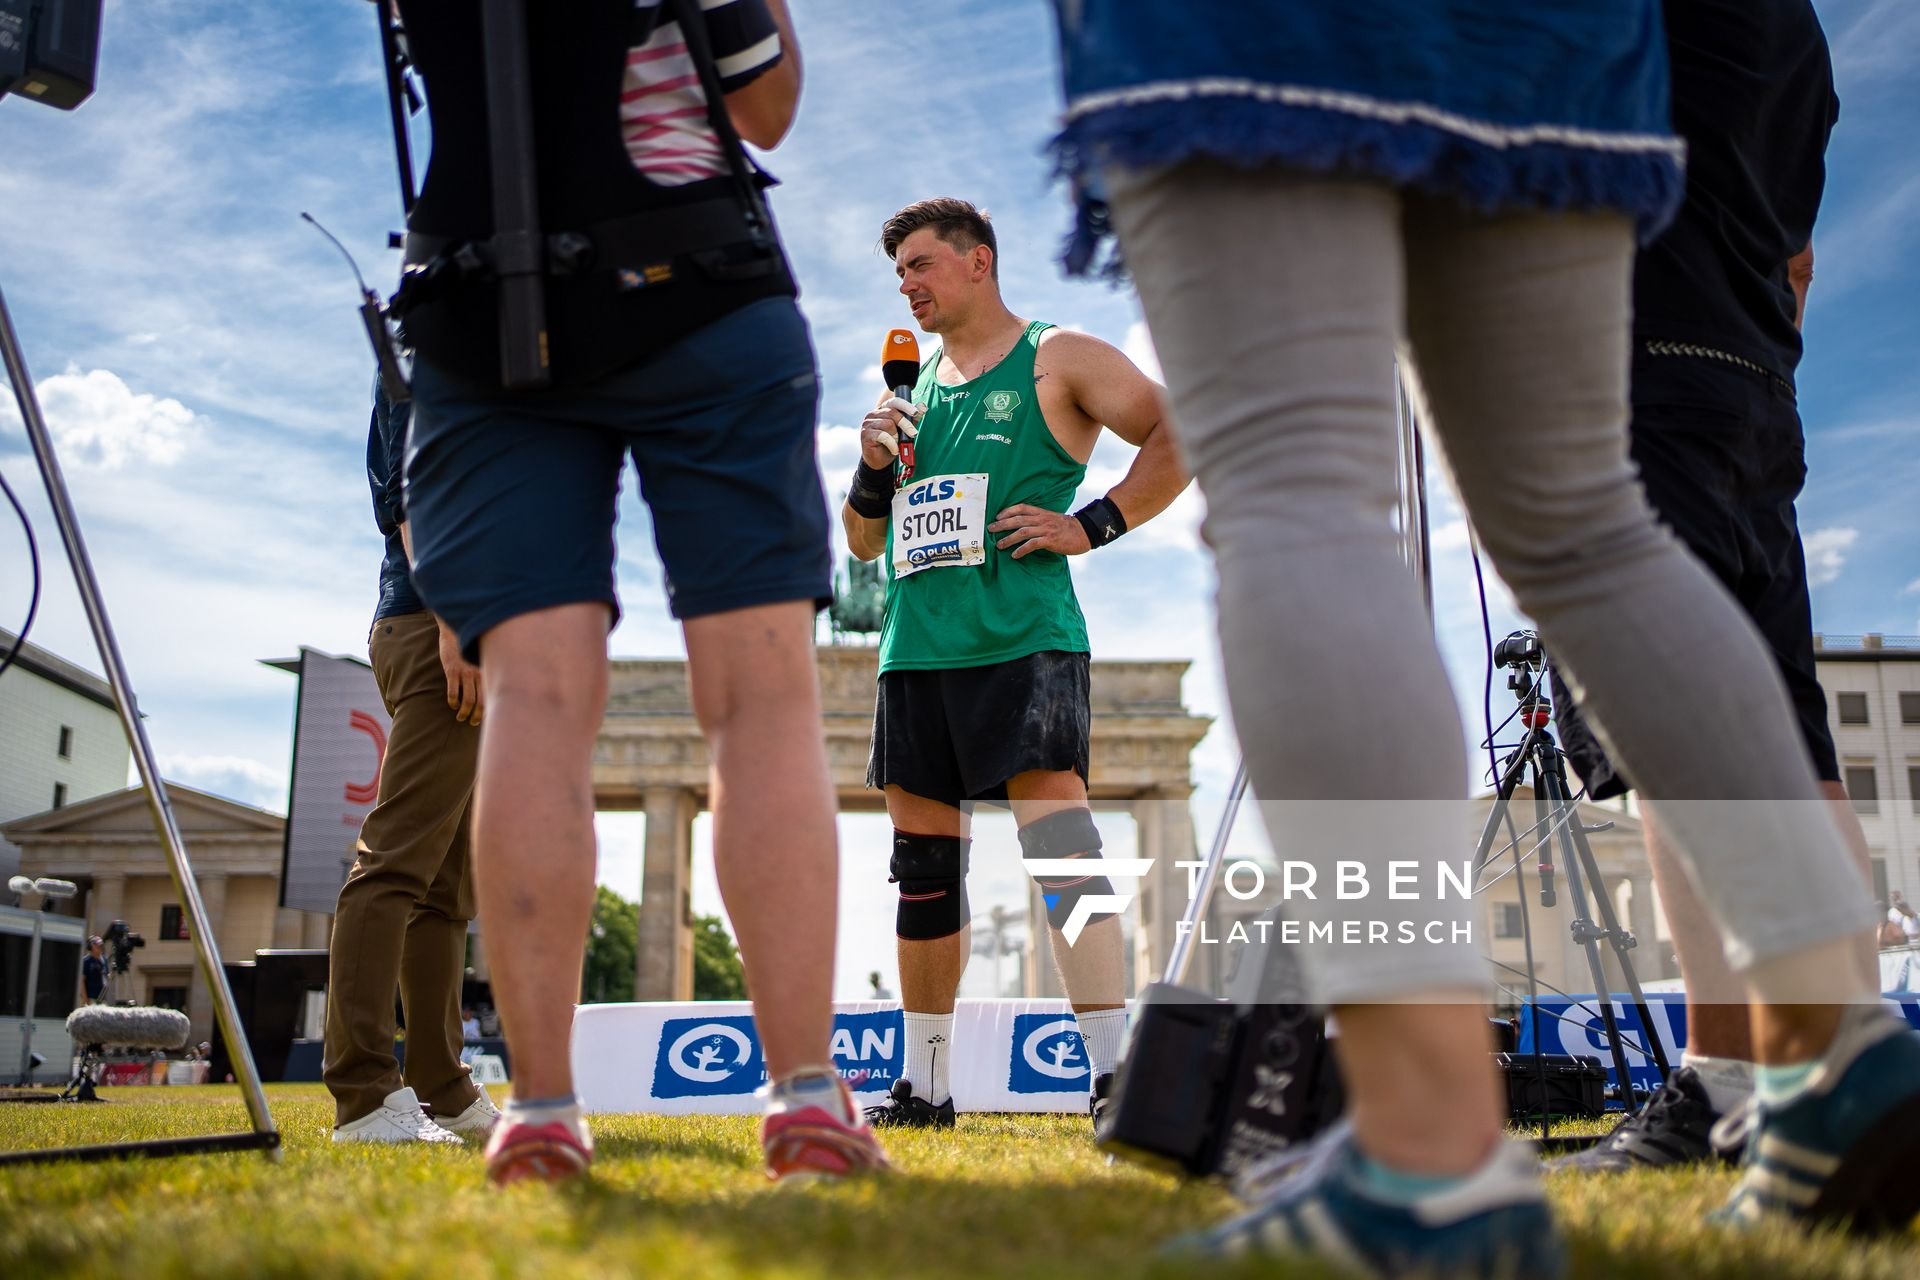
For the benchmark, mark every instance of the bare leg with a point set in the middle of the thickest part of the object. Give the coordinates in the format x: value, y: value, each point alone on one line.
x: 1719, y: 1020
x: 757, y: 697
x: 1093, y: 969
x: 533, y: 844
x: 1422, y: 1097
x: 930, y: 968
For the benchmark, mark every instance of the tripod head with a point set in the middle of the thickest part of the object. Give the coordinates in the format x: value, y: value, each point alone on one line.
x: 1521, y: 651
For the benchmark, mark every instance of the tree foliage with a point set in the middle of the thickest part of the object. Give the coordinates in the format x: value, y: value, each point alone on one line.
x: 613, y: 942
x: 717, y: 974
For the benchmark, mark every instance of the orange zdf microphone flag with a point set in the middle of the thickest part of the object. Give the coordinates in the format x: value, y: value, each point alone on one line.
x: 900, y: 369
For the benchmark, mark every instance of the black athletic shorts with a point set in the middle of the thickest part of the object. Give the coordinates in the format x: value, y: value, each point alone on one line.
x: 1721, y: 455
x: 959, y: 734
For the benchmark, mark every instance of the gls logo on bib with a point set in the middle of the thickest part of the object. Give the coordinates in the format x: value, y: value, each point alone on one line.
x: 1048, y: 1055
x: 941, y: 520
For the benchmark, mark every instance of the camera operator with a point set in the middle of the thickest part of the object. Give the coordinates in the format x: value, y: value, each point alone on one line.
x: 698, y: 362
x: 1718, y: 301
x: 403, y: 912
x: 93, y: 969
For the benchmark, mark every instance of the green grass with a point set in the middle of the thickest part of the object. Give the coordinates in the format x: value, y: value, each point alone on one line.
x: 999, y: 1196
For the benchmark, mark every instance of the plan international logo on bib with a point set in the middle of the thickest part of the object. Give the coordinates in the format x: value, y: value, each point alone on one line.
x: 1001, y: 404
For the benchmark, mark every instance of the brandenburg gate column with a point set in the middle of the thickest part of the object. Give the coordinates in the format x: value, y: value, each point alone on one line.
x: 1164, y: 820
x: 664, y: 958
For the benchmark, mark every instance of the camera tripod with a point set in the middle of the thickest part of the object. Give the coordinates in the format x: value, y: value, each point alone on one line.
x: 1557, y: 820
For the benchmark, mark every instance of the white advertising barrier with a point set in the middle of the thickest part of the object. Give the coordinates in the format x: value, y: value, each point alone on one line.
x: 703, y: 1058
x: 340, y: 731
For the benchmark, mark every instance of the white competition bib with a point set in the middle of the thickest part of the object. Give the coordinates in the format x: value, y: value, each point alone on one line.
x: 939, y: 521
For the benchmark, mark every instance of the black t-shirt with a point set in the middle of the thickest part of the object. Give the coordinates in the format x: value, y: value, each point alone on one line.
x: 93, y: 970
x: 1753, y: 97
x: 578, y: 55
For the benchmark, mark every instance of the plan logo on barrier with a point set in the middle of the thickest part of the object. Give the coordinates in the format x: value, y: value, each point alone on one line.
x: 870, y: 1049
x: 1048, y: 1055
x: 707, y: 1057
x: 721, y: 1057
x: 1091, y: 904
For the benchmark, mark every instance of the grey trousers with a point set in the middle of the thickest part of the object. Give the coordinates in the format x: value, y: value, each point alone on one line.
x: 1276, y: 302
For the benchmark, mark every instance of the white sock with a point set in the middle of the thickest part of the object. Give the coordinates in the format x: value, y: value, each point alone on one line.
x: 1104, y: 1031
x: 929, y: 1050
x: 539, y: 1111
x: 1728, y: 1081
x: 811, y: 1087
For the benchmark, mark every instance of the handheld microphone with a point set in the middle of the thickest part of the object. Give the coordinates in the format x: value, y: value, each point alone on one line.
x: 900, y: 362
x: 900, y: 369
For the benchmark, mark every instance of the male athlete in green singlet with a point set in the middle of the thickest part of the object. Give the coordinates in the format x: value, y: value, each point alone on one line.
x: 983, y: 653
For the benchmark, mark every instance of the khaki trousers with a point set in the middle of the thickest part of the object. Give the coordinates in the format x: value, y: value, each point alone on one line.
x: 403, y: 912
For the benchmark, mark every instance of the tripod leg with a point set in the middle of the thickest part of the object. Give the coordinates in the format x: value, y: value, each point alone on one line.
x: 1617, y: 937
x: 1565, y: 817
x: 1503, y: 796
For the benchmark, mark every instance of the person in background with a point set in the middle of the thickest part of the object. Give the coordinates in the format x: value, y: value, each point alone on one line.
x: 93, y: 969
x: 1718, y: 303
x: 403, y: 912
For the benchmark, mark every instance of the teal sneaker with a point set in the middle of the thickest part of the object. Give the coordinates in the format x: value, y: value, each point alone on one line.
x: 1494, y: 1222
x: 1842, y: 1149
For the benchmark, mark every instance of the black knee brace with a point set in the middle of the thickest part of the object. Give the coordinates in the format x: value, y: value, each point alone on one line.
x: 1067, y: 834
x: 932, y: 874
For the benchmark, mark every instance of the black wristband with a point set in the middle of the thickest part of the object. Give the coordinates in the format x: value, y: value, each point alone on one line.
x: 1102, y: 520
x: 872, y: 493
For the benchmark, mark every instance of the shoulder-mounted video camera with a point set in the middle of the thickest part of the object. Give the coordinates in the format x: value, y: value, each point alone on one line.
x: 724, y: 239
x: 49, y: 50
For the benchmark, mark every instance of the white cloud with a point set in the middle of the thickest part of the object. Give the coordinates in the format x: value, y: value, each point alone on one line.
x: 1912, y: 588
x: 1138, y: 346
x: 97, y: 420
x: 237, y: 777
x: 1827, y: 553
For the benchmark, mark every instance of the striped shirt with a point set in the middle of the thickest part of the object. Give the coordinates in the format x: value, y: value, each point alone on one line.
x: 663, y: 112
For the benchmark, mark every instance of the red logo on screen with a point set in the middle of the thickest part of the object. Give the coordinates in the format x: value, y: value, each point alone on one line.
x: 364, y: 792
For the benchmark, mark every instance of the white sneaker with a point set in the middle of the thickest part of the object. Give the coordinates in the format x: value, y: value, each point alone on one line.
x: 478, y: 1119
x: 398, y: 1119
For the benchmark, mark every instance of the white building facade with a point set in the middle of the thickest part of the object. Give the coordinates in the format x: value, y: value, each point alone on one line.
x: 60, y: 739
x: 1873, y: 705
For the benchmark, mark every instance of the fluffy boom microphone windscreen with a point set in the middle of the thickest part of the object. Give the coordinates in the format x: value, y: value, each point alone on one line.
x: 136, y: 1028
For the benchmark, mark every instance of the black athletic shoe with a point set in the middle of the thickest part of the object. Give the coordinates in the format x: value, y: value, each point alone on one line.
x: 1102, y: 1100
x: 1670, y: 1129
x: 905, y: 1111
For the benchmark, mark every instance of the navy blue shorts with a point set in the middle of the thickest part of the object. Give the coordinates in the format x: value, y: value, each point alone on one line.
x: 511, y: 498
x: 1720, y: 451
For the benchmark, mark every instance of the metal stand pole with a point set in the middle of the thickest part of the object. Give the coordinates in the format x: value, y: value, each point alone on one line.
x: 204, y: 948
x: 33, y: 989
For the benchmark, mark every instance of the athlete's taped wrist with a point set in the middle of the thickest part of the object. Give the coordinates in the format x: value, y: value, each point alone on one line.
x: 871, y: 494
x: 1102, y: 520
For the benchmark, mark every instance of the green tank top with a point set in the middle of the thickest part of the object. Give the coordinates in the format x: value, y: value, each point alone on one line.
x: 953, y: 598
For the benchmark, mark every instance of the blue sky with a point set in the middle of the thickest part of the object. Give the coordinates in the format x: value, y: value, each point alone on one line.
x: 203, y: 369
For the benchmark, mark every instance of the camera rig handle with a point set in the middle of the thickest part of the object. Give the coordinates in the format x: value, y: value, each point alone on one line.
x: 519, y: 250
